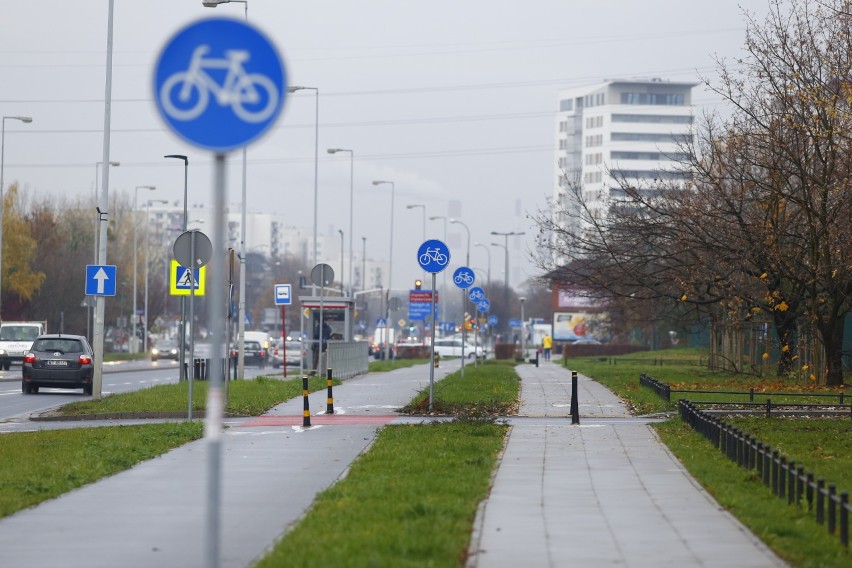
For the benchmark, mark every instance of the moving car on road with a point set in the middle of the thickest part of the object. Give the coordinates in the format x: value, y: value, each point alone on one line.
x: 165, y: 350
x: 58, y: 361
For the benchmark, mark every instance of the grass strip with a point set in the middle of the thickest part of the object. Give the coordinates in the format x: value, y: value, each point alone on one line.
x: 790, y: 531
x: 38, y: 466
x: 409, y: 501
x: 384, y: 366
x: 489, y: 389
x: 245, y: 398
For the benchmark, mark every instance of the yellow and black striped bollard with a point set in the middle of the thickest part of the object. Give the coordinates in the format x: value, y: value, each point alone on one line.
x: 330, y: 402
x: 306, y: 413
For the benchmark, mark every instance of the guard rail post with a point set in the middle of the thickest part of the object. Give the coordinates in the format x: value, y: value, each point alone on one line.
x: 575, y: 406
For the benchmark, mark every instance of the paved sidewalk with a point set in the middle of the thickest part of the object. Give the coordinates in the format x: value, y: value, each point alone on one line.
x: 153, y: 515
x: 605, y: 492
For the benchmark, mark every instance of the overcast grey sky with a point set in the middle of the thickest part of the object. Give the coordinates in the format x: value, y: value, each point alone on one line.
x: 452, y: 100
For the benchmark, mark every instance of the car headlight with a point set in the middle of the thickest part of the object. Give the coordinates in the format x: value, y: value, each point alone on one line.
x: 155, y: 351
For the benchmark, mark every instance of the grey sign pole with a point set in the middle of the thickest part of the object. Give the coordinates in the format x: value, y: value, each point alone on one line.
x: 215, y: 404
x: 432, y: 358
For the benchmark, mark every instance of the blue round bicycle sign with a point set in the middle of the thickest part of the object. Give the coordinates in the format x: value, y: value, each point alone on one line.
x: 476, y: 294
x: 219, y: 84
x: 464, y: 277
x: 433, y: 256
x: 484, y: 305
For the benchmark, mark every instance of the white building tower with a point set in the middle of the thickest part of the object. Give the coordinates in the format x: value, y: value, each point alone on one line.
x: 616, y: 132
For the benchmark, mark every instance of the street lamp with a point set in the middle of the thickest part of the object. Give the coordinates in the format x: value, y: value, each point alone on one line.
x: 242, y: 307
x: 507, y: 235
x: 27, y: 120
x: 390, y: 266
x: 135, y: 223
x: 466, y: 228
x: 488, y: 250
x: 145, y: 310
x: 523, y: 330
x: 416, y: 206
x: 351, y: 209
x: 341, y: 262
x: 316, y: 167
x: 444, y: 272
x: 182, y: 342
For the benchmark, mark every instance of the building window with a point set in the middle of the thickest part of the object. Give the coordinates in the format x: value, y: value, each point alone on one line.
x: 676, y: 156
x: 654, y: 118
x: 650, y: 137
x: 674, y: 99
x: 566, y: 105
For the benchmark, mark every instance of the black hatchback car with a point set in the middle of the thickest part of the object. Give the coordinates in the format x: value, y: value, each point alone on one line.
x: 58, y: 361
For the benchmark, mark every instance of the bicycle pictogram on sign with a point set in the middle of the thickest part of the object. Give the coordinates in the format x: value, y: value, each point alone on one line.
x: 186, y: 94
x: 464, y: 277
x: 433, y: 256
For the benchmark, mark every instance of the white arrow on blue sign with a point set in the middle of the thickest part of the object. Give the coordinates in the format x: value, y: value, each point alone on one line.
x: 100, y: 280
x: 219, y: 83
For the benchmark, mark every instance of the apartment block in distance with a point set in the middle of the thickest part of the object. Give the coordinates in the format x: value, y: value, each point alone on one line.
x: 620, y: 131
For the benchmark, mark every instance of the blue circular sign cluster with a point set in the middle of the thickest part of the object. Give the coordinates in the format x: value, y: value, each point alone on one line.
x: 433, y: 256
x: 219, y: 84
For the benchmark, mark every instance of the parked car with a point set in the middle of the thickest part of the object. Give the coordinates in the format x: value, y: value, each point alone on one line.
x: 253, y: 354
x: 452, y: 347
x: 290, y: 356
x: 58, y: 361
x: 165, y: 350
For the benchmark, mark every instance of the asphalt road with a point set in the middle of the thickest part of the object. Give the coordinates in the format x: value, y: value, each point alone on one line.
x: 117, y: 378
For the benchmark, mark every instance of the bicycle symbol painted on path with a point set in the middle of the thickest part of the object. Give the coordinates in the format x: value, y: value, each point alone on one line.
x: 252, y: 96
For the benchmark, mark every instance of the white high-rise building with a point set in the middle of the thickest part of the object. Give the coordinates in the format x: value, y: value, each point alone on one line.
x: 617, y: 132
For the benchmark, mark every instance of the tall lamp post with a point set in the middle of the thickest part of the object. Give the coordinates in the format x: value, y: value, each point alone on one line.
x: 488, y: 250
x: 182, y: 331
x: 242, y: 307
x: 316, y: 168
x: 135, y: 278
x: 24, y: 119
x: 95, y: 241
x: 147, y: 247
x: 351, y: 209
x: 443, y: 272
x: 506, y: 246
x: 467, y: 229
x: 342, y: 288
x: 390, y: 266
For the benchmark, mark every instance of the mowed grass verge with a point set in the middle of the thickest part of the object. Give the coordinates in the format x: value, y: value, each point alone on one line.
x: 411, y: 499
x: 821, y: 444
x: 38, y: 466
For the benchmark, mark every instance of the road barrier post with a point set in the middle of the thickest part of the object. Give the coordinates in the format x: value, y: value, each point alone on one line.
x: 575, y: 407
x: 330, y: 402
x: 306, y: 413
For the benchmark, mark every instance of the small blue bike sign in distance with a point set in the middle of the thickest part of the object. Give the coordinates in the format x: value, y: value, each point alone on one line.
x: 219, y: 84
x: 483, y: 305
x: 463, y: 277
x: 433, y: 256
x: 476, y: 294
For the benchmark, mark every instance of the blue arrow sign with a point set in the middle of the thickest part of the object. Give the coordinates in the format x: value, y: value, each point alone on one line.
x: 476, y: 294
x: 433, y: 256
x: 219, y: 84
x: 100, y: 280
x: 463, y: 277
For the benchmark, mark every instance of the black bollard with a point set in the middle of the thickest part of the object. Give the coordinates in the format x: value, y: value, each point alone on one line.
x: 536, y: 358
x: 575, y: 407
x: 306, y: 413
x: 329, y: 409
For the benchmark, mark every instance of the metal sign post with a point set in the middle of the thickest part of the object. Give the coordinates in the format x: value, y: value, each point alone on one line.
x: 218, y: 112
x: 464, y: 278
x: 433, y: 256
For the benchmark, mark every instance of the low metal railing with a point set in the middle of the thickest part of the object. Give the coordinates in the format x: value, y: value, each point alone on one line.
x: 787, y: 479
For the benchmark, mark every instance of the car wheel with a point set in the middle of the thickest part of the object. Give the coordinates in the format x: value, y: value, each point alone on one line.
x: 7, y: 365
x: 25, y: 388
x: 87, y: 390
x: 33, y: 389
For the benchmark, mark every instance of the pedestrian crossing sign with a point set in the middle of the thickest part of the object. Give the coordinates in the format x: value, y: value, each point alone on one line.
x: 180, y: 280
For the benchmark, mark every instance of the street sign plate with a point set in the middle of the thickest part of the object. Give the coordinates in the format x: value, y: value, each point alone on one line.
x: 322, y: 275
x: 476, y: 294
x: 282, y: 295
x: 182, y: 249
x: 100, y: 280
x: 463, y: 277
x: 219, y: 83
x: 180, y: 280
x: 433, y: 256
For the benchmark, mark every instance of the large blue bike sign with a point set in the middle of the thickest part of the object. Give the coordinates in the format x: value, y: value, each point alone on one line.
x: 219, y: 84
x: 433, y: 256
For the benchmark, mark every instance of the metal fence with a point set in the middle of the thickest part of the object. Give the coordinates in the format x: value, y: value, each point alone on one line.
x: 348, y: 359
x: 787, y: 479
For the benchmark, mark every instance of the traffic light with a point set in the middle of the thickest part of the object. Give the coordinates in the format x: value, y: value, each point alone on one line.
x: 418, y: 284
